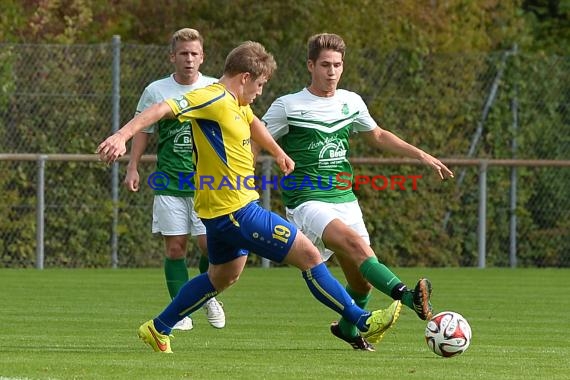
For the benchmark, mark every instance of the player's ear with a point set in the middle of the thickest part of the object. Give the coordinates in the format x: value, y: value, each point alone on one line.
x: 245, y: 77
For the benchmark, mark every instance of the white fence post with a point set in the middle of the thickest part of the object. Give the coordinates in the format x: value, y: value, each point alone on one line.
x: 482, y: 226
x: 40, y: 207
x: 115, y: 169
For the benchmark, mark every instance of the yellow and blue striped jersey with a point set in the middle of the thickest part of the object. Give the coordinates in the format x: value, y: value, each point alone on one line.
x: 222, y: 151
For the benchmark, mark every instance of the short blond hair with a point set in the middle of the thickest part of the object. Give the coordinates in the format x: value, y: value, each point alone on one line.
x: 250, y: 57
x: 185, y: 34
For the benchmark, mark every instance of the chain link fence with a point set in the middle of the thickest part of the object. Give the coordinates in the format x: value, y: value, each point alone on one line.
x: 504, y: 105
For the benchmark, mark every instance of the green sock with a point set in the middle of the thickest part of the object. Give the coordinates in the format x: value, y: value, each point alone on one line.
x: 348, y: 329
x: 203, y: 264
x: 379, y: 275
x: 387, y: 282
x: 176, y: 275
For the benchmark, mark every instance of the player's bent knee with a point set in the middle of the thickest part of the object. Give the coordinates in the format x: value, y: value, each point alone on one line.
x: 222, y: 276
x: 222, y: 282
x: 175, y: 247
x: 303, y: 254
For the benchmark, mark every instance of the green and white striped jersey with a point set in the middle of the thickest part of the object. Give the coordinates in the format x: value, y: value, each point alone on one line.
x: 314, y: 131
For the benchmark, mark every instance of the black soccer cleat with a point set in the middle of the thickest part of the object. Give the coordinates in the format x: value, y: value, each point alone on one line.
x: 421, y: 299
x: 358, y: 342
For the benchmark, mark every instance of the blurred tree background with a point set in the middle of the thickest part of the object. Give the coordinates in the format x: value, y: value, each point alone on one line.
x: 434, y: 26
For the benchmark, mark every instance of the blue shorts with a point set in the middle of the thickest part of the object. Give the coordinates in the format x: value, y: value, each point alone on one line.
x: 251, y: 228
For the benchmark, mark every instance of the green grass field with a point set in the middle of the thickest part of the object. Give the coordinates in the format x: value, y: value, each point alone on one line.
x: 81, y: 324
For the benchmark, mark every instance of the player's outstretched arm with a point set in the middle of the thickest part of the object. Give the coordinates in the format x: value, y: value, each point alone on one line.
x: 263, y: 139
x: 115, y: 145
x: 388, y: 141
x: 138, y: 146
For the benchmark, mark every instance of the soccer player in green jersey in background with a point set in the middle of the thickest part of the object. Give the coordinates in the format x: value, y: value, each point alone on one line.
x: 173, y: 214
x: 313, y: 127
x: 223, y: 127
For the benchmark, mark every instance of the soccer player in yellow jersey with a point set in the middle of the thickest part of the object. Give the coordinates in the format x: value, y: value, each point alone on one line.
x: 223, y: 126
x: 173, y: 214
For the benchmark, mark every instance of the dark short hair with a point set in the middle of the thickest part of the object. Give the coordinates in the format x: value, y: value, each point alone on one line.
x: 324, y: 41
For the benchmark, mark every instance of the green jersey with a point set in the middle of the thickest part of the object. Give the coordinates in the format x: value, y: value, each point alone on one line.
x: 174, y: 154
x: 314, y: 131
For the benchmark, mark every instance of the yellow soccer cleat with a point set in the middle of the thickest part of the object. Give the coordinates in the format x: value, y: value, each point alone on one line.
x: 159, y: 342
x: 380, y: 321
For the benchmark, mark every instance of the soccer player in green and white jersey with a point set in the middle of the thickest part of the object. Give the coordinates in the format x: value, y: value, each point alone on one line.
x: 173, y: 208
x: 313, y: 127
